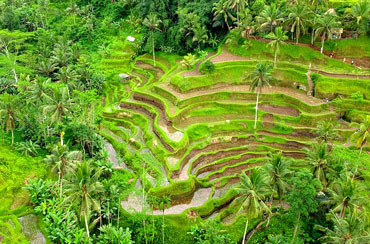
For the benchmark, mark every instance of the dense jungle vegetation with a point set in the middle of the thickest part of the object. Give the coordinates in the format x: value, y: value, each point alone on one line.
x: 178, y: 121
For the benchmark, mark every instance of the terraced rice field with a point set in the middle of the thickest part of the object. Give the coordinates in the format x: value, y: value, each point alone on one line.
x: 193, y: 144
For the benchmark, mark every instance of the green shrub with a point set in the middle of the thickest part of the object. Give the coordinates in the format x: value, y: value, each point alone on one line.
x: 207, y: 67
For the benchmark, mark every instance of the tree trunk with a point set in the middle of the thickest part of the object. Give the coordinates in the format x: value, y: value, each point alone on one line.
x: 296, y: 227
x: 270, y: 214
x: 322, y: 42
x: 61, y: 186
x: 119, y: 206
x: 275, y: 60
x: 153, y: 48
x: 256, y: 115
x: 12, y: 131
x: 87, y: 227
x: 297, y: 35
x: 312, y: 36
x: 163, y: 226
x: 245, y: 231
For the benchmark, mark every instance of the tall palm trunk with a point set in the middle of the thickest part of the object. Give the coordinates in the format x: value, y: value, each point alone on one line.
x: 245, y: 231
x: 163, y: 226
x: 312, y: 36
x: 153, y: 47
x: 12, y: 131
x: 322, y: 42
x: 87, y: 227
x: 275, y: 59
x: 296, y: 228
x: 256, y: 115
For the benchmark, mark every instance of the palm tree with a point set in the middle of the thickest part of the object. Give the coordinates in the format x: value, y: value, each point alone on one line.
x: 9, y: 112
x: 73, y: 9
x: 326, y: 24
x: 361, y: 11
x: 66, y: 74
x: 62, y: 161
x: 37, y: 90
x: 362, y: 134
x: 222, y: 9
x: 278, y: 39
x: 298, y: 18
x: 200, y: 36
x: 270, y: 17
x: 46, y: 67
x: 152, y: 23
x: 82, y: 187
x: 353, y: 229
x: 316, y: 3
x: 253, y: 189
x: 277, y: 169
x: 58, y: 104
x: 344, y: 194
x: 326, y: 131
x: 317, y: 157
x: 261, y: 77
x: 239, y: 5
x: 164, y: 203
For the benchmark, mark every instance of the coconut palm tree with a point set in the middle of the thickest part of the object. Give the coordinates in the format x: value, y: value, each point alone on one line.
x: 82, y: 186
x: 73, y: 9
x: 200, y: 36
x: 277, y: 169
x: 9, y: 112
x: 270, y: 17
x: 164, y: 202
x: 253, y: 189
x: 238, y: 5
x: 62, y: 161
x: 222, y: 9
x: 58, y: 104
x: 36, y: 91
x: 298, y: 19
x: 66, y: 74
x: 278, y: 39
x: 344, y: 194
x: 152, y: 23
x: 46, y: 67
x: 326, y: 131
x: 317, y: 3
x: 361, y: 11
x: 260, y: 77
x: 325, y: 26
x: 318, y: 158
x: 353, y: 229
x: 362, y: 134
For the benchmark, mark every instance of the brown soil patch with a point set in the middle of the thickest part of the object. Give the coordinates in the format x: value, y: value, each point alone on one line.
x: 227, y: 56
x: 219, y: 166
x: 279, y: 110
x: 152, y: 116
x: 235, y: 142
x: 268, y: 120
x: 243, y: 88
x: 233, y: 170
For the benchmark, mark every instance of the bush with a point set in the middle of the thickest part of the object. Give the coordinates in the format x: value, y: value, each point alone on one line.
x: 207, y: 67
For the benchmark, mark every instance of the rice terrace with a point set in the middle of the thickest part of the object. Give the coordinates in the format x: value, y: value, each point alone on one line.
x: 185, y: 122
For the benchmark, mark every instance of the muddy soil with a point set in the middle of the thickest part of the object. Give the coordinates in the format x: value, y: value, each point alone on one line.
x: 226, y: 56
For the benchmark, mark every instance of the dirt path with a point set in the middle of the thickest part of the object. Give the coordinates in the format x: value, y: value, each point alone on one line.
x: 196, y: 71
x: 350, y: 76
x: 226, y: 56
x: 244, y: 88
x: 199, y: 198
